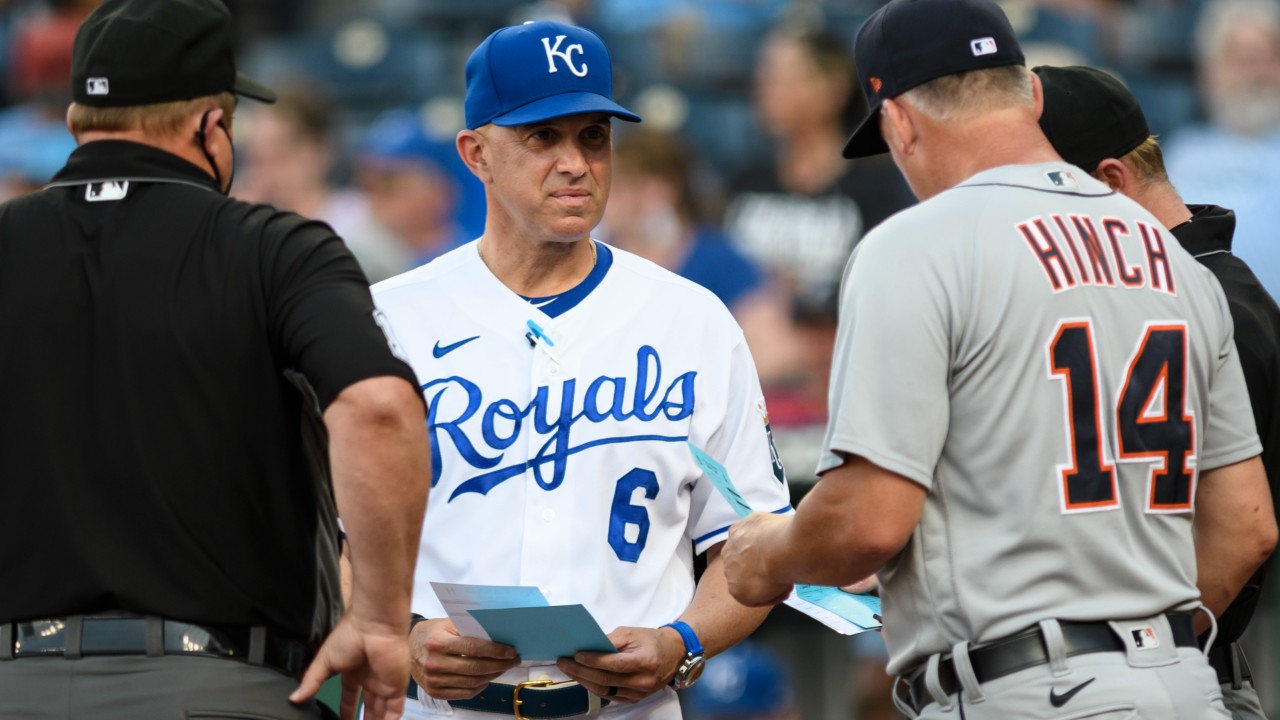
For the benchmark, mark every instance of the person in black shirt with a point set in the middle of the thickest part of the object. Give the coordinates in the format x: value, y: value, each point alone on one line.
x: 1094, y: 122
x: 189, y: 383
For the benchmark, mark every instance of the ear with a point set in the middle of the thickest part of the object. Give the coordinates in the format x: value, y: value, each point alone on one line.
x: 471, y: 148
x: 73, y: 132
x: 1114, y: 173
x: 212, y: 140
x: 1037, y: 95
x: 897, y: 127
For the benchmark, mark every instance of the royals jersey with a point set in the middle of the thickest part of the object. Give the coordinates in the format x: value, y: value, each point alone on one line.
x: 559, y: 426
x: 1047, y: 361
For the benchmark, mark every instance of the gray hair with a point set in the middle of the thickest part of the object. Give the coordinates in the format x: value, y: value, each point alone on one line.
x: 961, y: 95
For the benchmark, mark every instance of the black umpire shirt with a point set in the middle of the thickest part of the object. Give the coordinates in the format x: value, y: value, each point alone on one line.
x: 1207, y: 236
x: 159, y: 450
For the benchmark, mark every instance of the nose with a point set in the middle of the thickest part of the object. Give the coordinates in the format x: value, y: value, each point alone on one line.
x: 572, y: 160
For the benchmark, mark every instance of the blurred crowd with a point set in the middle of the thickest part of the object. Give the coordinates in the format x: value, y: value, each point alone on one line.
x: 734, y: 180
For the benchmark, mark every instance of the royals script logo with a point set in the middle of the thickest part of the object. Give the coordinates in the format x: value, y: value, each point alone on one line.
x: 566, y: 55
x: 638, y: 406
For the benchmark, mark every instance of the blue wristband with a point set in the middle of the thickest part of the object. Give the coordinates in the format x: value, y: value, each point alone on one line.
x: 691, y: 643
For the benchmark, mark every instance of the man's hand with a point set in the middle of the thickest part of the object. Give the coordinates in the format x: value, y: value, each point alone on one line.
x: 370, y: 656
x: 646, y: 661
x: 449, y: 666
x: 745, y: 568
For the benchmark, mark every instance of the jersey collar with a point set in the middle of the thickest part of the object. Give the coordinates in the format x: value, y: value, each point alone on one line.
x: 105, y: 160
x: 557, y: 305
x: 1208, y: 231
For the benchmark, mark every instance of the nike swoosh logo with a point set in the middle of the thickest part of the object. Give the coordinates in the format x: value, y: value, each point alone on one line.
x: 439, y: 352
x: 1058, y: 701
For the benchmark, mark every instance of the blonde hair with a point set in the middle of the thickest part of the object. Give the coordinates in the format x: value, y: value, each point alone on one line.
x: 961, y: 95
x: 1147, y: 162
x: 159, y: 119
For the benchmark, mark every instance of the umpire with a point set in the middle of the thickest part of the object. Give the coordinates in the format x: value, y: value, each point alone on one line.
x: 1095, y: 123
x: 182, y: 375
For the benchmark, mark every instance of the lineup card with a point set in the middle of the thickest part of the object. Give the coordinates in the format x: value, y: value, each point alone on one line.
x: 521, y: 617
x: 843, y: 612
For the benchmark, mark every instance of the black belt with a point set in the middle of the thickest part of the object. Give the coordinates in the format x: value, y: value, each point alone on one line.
x: 538, y: 700
x: 115, y: 635
x: 1230, y: 664
x: 1027, y: 650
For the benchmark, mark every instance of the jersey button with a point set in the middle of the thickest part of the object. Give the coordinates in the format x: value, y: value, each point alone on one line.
x: 548, y: 514
x: 553, y: 368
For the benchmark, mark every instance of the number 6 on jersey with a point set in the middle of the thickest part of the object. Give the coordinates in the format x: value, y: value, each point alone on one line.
x: 1153, y: 424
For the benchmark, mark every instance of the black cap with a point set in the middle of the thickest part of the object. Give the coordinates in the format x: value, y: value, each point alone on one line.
x: 1089, y: 116
x: 907, y: 43
x: 139, y: 52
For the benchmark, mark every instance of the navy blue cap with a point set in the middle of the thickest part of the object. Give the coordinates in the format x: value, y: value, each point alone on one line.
x: 907, y: 43
x: 538, y: 71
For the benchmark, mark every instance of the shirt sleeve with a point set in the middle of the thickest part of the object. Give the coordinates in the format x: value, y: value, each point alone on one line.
x: 1230, y: 434
x: 321, y: 313
x: 743, y: 443
x: 889, y: 392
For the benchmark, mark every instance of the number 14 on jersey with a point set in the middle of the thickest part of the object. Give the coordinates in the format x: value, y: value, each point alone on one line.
x: 1152, y: 422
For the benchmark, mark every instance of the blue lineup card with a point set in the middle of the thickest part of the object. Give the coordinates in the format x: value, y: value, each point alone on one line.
x: 520, y: 616
x: 841, y: 611
x: 542, y: 634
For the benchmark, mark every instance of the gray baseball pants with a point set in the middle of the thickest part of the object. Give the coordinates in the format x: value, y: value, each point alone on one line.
x: 129, y: 687
x: 1160, y: 681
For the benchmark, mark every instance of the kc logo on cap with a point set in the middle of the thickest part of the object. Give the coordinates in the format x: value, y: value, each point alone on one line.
x: 566, y: 55
x: 538, y: 71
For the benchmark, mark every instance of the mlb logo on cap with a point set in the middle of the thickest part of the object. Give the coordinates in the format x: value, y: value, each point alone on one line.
x: 538, y: 71
x: 983, y: 46
x: 97, y: 86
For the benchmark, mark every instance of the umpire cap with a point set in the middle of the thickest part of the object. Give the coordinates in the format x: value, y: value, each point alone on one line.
x: 907, y: 43
x: 1089, y: 116
x: 140, y: 52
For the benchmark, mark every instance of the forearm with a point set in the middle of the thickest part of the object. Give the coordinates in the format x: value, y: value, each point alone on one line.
x: 1234, y: 528
x: 379, y: 455
x: 719, y: 620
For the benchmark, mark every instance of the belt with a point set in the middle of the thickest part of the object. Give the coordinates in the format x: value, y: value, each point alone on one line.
x: 1027, y: 650
x: 534, y: 700
x: 80, y: 635
x: 1230, y: 664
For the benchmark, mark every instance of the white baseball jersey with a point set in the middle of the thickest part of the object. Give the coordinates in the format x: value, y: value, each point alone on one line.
x: 1043, y: 357
x: 563, y: 464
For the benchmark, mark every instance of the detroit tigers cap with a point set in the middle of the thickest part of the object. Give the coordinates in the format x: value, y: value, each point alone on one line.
x: 1089, y: 115
x: 140, y: 52
x: 538, y: 71
x: 907, y: 43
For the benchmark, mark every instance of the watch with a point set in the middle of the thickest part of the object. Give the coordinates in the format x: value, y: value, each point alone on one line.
x: 691, y: 666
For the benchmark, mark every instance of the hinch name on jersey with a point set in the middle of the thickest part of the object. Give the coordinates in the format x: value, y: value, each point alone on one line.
x: 1076, y: 251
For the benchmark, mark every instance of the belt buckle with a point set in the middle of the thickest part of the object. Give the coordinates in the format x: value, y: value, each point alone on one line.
x: 515, y: 694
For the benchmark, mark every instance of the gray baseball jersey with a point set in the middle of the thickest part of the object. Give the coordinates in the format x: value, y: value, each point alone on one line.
x: 1043, y: 357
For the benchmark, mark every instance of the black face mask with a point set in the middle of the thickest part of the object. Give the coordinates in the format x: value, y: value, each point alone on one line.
x: 217, y: 176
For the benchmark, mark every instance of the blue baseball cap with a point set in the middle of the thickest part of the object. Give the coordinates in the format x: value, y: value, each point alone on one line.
x: 538, y: 71
x: 744, y: 681
x: 400, y: 136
